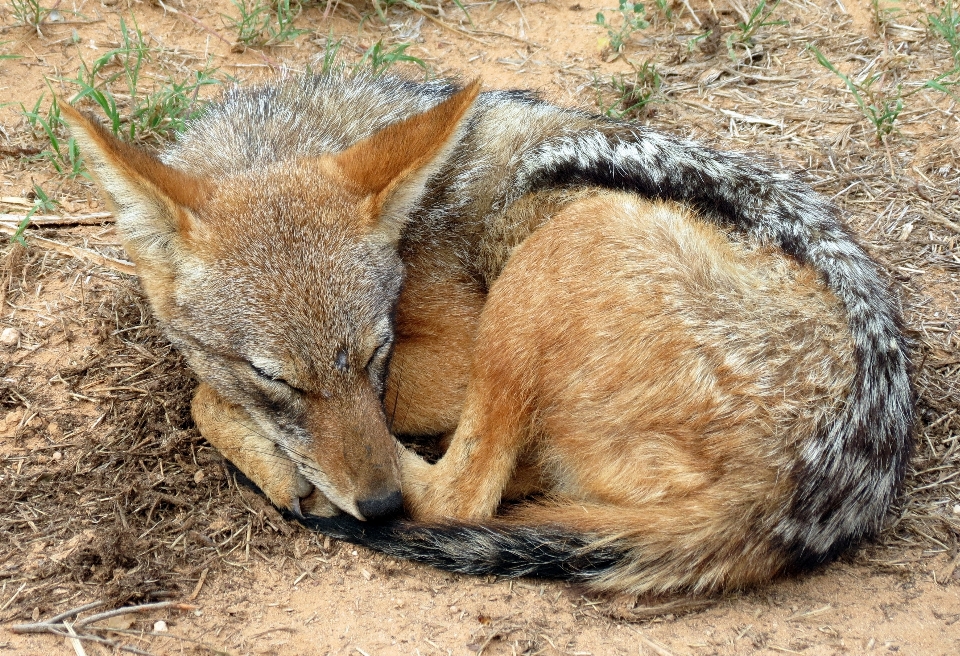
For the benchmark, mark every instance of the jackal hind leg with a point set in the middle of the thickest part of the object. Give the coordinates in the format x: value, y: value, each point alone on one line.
x: 236, y: 435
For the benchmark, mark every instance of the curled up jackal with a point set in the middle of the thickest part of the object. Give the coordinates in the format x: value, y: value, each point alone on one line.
x: 656, y: 367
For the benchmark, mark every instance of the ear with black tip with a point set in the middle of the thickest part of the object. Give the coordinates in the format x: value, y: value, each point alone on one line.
x: 154, y: 203
x: 394, y: 164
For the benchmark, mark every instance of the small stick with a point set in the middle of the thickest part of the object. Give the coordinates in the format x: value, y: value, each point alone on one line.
x: 686, y: 3
x: 943, y: 221
x: 74, y: 640
x: 196, y: 21
x: 55, y: 621
x: 132, y: 609
x: 15, y: 595
x: 75, y: 611
x: 53, y: 220
x: 120, y: 266
x: 447, y: 26
x: 196, y: 590
x: 54, y: 630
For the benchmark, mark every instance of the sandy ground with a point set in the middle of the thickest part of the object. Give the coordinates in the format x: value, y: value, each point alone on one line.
x: 267, y: 588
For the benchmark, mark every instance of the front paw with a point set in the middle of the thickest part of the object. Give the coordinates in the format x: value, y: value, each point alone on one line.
x: 415, y: 475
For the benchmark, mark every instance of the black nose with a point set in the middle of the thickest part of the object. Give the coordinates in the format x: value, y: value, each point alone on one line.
x: 384, y: 506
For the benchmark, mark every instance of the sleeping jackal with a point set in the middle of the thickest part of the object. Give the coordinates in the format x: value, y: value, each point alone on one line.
x: 660, y: 367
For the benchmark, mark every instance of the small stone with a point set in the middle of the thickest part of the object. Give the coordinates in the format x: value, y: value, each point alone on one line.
x: 57, y: 455
x: 10, y: 337
x: 198, y: 476
x: 159, y: 626
x: 956, y: 509
x: 11, y: 421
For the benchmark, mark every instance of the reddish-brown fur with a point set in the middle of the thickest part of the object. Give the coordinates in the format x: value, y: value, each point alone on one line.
x: 649, y: 376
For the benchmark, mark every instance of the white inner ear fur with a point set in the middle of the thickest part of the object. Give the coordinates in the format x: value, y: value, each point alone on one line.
x: 147, y: 221
x: 402, y: 196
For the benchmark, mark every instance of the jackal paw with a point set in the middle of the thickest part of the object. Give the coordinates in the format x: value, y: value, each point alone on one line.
x: 415, y: 475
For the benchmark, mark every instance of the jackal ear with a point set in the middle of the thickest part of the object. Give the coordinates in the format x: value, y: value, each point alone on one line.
x: 394, y: 164
x: 153, y: 202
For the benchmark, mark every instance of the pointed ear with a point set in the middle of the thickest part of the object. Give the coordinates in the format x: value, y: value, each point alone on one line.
x: 152, y: 201
x: 393, y: 165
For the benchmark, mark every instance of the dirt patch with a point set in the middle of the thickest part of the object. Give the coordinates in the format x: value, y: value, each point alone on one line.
x: 108, y: 493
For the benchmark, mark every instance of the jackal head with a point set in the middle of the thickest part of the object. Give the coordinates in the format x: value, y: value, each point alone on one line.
x: 279, y: 284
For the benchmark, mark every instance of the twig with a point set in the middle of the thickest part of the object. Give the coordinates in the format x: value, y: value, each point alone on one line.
x: 95, y: 218
x: 686, y: 3
x: 54, y: 629
x: 132, y: 609
x: 74, y: 640
x: 209, y: 30
x: 20, y: 151
x: 120, y: 266
x: 75, y: 611
x: 15, y: 595
x: 56, y: 620
x: 943, y: 221
x: 446, y: 26
x: 658, y: 649
x: 518, y: 39
x: 196, y: 590
x: 165, y: 634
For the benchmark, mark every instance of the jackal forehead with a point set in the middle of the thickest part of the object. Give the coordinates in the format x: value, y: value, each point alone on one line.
x: 320, y: 312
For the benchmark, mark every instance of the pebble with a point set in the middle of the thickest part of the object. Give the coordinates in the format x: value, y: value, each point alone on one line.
x: 956, y: 510
x: 10, y: 337
x: 159, y: 626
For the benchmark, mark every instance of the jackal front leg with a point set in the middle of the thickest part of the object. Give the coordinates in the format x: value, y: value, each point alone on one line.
x: 476, y: 472
x: 235, y: 434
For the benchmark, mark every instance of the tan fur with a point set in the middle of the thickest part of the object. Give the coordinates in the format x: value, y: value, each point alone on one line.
x: 649, y: 373
x: 186, y: 232
x: 650, y: 377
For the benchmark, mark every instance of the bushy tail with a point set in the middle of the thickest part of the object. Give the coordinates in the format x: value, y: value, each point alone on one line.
x: 654, y: 549
x: 847, y: 475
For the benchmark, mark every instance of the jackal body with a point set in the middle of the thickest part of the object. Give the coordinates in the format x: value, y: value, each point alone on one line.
x: 692, y: 407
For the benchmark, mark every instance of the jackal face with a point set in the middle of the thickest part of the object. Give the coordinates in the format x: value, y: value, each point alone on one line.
x: 279, y: 285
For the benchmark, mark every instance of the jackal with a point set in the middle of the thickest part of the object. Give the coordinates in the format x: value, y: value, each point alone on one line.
x: 660, y: 367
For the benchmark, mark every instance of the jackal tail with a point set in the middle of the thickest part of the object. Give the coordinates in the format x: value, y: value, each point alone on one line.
x: 848, y: 473
x: 605, y: 548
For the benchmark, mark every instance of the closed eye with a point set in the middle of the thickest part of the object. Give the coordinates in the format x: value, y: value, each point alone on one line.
x: 379, y: 353
x: 267, y: 376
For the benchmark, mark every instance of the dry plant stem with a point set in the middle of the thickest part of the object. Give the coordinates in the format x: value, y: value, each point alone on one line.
x: 57, y: 621
x: 54, y: 630
x: 166, y: 634
x: 120, y: 266
x: 132, y: 609
x: 74, y: 640
x: 657, y: 649
x: 942, y: 220
x: 196, y: 21
x: 696, y: 19
x: 58, y: 626
x: 95, y: 218
x: 75, y: 611
x: 446, y: 26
